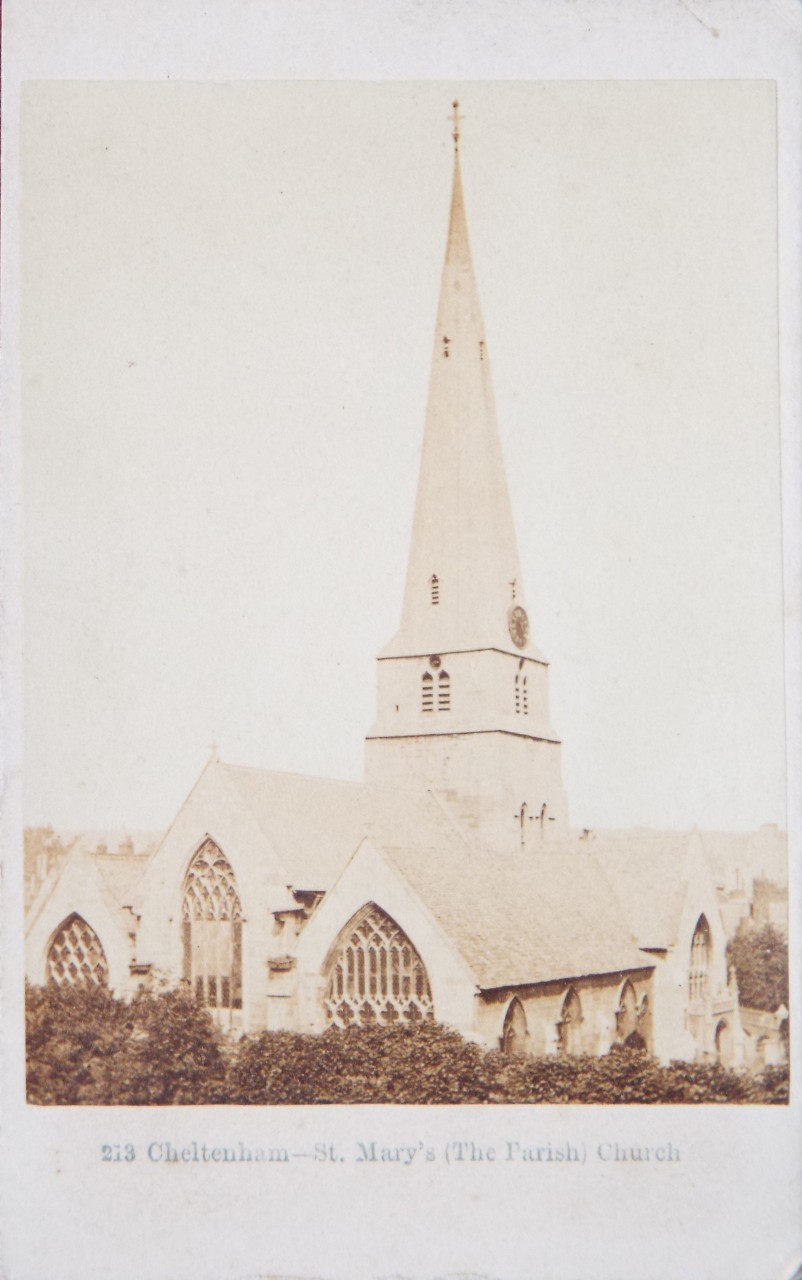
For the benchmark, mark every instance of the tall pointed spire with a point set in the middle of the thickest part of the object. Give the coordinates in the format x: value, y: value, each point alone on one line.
x: 463, y: 558
x: 462, y: 695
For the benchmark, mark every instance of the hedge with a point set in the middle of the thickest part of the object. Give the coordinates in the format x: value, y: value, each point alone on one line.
x: 86, y: 1048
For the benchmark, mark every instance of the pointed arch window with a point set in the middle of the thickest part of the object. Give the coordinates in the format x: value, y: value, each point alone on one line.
x: 374, y: 974
x: 515, y: 1035
x: 444, y: 691
x: 627, y: 1014
x: 427, y: 691
x: 76, y: 957
x: 211, y: 916
x: 700, y: 961
x: 569, y: 1027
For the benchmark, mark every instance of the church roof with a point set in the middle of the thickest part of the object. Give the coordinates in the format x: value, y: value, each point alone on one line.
x: 649, y: 877
x: 520, y: 919
x: 312, y: 824
x: 122, y: 874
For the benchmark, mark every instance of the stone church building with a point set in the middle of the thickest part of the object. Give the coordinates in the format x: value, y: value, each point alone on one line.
x: 448, y: 884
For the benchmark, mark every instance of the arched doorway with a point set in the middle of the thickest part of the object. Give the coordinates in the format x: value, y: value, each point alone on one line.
x: 515, y: 1033
x: 375, y: 974
x: 569, y: 1027
x: 76, y: 957
x: 211, y: 916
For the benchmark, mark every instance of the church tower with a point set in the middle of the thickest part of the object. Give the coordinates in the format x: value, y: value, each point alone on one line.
x: 462, y: 691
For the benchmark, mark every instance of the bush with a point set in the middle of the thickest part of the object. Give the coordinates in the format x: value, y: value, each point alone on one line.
x: 85, y: 1047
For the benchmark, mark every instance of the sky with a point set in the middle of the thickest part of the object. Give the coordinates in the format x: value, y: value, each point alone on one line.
x: 229, y: 300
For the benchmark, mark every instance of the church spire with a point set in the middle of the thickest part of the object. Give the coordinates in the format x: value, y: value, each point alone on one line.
x: 463, y: 558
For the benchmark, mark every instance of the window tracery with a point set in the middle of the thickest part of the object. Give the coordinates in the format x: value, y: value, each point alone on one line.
x: 700, y: 961
x: 211, y: 915
x: 76, y: 957
x: 375, y: 974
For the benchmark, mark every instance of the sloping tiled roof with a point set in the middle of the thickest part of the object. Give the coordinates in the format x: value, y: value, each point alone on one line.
x: 316, y: 824
x: 648, y: 874
x: 523, y: 918
x: 122, y: 875
x: 313, y: 824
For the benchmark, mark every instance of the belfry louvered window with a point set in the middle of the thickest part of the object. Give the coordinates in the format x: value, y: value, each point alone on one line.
x: 434, y: 584
x: 444, y: 691
x: 211, y: 917
x: 427, y: 691
x: 76, y: 957
x: 521, y: 695
x: 700, y: 960
x: 375, y: 975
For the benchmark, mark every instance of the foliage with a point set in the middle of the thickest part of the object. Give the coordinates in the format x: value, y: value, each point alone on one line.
x: 760, y: 957
x: 86, y: 1048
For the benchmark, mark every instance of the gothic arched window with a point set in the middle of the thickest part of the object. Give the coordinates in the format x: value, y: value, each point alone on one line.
x: 374, y: 973
x: 515, y: 1034
x: 211, y: 917
x: 700, y: 960
x: 76, y: 957
x: 444, y: 691
x: 626, y: 1015
x: 569, y: 1028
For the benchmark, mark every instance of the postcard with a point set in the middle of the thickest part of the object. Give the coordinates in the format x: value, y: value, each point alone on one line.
x: 401, y: 649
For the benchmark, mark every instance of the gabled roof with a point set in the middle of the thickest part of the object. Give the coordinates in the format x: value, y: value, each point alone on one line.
x: 521, y: 918
x: 648, y: 872
x: 122, y: 874
x: 313, y: 824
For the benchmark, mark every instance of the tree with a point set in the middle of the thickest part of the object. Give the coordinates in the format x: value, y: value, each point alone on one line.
x: 760, y: 957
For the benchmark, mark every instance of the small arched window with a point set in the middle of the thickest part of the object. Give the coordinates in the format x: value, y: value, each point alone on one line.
x: 76, y: 957
x: 515, y: 1034
x: 211, y: 916
x: 700, y: 961
x: 374, y: 973
x: 434, y: 584
x: 626, y: 1015
x: 444, y: 691
x: 569, y: 1028
x: 427, y: 691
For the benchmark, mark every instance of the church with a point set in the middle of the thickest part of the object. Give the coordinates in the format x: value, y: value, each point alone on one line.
x: 449, y: 885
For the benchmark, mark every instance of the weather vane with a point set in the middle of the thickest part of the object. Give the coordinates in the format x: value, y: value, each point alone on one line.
x: 455, y: 119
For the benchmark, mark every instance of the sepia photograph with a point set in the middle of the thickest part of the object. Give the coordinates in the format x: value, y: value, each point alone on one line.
x: 225, y: 403
x: 400, y: 620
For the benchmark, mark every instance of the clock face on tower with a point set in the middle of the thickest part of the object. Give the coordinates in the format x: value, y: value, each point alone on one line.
x: 518, y: 624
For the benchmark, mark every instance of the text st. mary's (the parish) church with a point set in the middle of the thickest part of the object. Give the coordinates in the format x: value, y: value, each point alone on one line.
x: 449, y: 884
